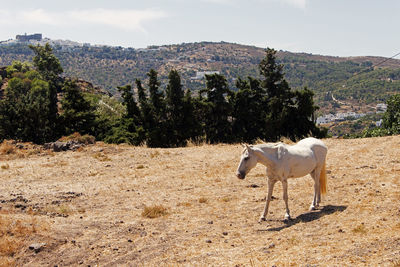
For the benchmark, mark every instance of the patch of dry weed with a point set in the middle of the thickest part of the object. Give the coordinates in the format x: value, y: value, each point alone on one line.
x: 154, y: 211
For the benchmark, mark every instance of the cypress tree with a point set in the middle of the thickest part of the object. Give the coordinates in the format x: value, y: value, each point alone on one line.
x: 250, y: 110
x: 175, y: 110
x: 217, y: 120
x: 77, y: 113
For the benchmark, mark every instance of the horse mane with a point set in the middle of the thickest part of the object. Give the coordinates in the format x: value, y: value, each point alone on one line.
x: 266, y: 149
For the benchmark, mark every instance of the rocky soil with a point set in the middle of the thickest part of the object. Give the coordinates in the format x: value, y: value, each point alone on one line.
x: 87, y: 207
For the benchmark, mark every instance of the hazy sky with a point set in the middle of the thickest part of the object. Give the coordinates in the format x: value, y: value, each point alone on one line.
x: 327, y: 27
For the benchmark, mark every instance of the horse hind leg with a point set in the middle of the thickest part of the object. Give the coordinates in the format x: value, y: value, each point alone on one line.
x: 285, y: 198
x: 317, y: 193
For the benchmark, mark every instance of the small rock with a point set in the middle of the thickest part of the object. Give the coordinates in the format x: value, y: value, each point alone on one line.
x: 225, y: 233
x: 210, y: 222
x: 37, y: 247
x: 272, y: 245
x: 130, y: 240
x: 208, y: 241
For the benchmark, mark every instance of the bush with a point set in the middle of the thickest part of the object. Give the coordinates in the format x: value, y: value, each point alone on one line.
x: 77, y: 137
x: 154, y: 211
x: 7, y: 147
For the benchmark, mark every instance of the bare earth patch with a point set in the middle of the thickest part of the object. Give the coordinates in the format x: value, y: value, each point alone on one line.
x: 90, y: 207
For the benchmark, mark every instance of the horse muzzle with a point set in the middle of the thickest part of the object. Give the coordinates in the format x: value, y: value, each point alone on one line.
x: 240, y: 175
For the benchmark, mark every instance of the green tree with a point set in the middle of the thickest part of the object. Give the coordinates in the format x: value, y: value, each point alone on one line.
x: 218, y: 109
x: 77, y: 112
x: 132, y: 110
x: 156, y: 119
x: 391, y: 118
x: 24, y: 111
x: 128, y: 128
x: 250, y: 110
x: 176, y: 117
x: 49, y: 67
x: 191, y: 124
x: 279, y: 95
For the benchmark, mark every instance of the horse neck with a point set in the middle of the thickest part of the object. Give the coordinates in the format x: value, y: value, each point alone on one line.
x: 266, y: 156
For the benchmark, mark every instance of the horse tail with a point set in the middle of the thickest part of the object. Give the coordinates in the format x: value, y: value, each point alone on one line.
x: 322, y: 179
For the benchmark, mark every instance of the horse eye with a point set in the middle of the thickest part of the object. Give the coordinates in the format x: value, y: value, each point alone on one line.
x: 246, y: 158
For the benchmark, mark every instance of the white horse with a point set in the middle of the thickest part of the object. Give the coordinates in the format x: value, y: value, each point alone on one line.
x: 287, y: 161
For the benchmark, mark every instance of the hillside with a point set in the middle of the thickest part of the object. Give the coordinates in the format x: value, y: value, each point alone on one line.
x: 91, y: 207
x: 352, y: 79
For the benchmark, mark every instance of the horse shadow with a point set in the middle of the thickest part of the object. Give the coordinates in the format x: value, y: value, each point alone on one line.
x: 308, y: 217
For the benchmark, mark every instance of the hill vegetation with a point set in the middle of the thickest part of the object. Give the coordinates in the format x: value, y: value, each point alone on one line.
x: 40, y: 105
x: 354, y: 79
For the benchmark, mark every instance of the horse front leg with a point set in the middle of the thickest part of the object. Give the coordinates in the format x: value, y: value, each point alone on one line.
x: 285, y: 198
x: 271, y: 184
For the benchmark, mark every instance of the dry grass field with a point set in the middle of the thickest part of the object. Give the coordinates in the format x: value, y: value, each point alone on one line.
x: 111, y: 205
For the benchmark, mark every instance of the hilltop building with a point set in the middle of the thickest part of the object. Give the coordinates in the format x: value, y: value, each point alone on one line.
x: 201, y: 74
x: 27, y: 38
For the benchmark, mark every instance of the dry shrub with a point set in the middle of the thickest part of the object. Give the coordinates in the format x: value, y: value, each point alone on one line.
x: 286, y: 140
x: 226, y: 199
x: 154, y: 211
x: 7, y: 148
x: 360, y: 229
x: 5, y: 166
x: 259, y: 141
x: 197, y: 142
x: 6, y: 262
x: 396, y: 263
x: 77, y: 137
x: 13, y: 234
x: 9, y: 246
x: 184, y: 204
x: 203, y: 200
x: 154, y: 154
x: 101, y: 157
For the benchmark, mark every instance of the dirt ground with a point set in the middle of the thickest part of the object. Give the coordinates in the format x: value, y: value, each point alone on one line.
x: 87, y: 208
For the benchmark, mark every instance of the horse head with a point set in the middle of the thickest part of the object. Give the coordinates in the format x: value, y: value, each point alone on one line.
x: 248, y: 160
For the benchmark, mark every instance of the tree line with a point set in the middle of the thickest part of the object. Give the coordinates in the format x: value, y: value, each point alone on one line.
x: 261, y: 108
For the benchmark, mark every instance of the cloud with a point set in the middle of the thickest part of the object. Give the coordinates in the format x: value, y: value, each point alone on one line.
x: 128, y: 19
x: 123, y: 19
x: 218, y: 1
x: 296, y: 3
x: 37, y: 16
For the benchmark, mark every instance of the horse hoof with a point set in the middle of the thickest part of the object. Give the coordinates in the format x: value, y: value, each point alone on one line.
x: 262, y: 219
x: 312, y: 208
x: 287, y: 217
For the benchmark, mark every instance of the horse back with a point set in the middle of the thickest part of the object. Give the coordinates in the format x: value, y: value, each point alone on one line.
x: 305, y: 156
x: 317, y: 146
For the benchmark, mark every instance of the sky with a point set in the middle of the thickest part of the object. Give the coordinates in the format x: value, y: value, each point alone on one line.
x: 325, y: 27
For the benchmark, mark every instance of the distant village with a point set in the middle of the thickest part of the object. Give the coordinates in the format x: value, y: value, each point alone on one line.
x: 329, y: 118
x: 37, y: 38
